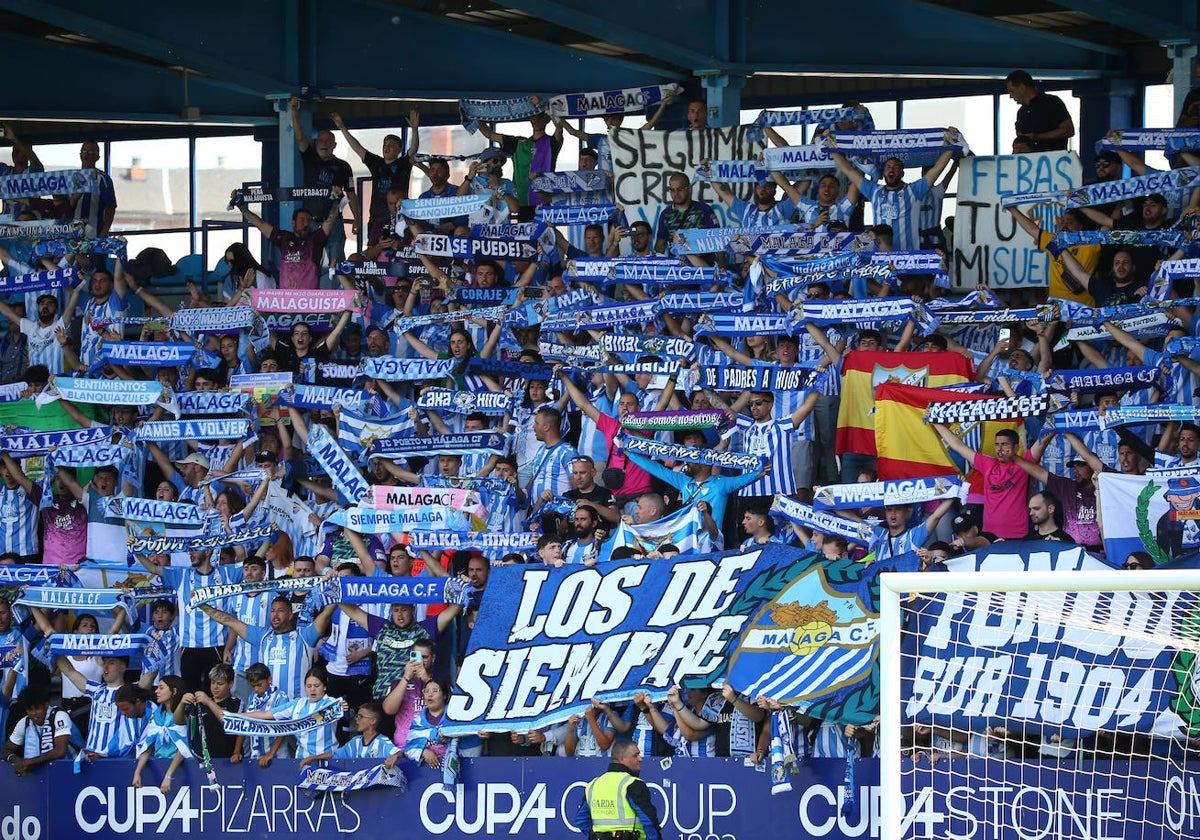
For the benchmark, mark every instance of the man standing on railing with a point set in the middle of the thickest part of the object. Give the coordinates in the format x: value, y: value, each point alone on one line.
x: 323, y: 169
x: 391, y: 171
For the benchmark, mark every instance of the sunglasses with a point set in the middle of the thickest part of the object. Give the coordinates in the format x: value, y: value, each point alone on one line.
x: 1132, y: 566
x: 758, y: 402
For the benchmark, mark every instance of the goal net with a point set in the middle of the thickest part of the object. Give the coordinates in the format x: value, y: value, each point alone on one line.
x: 1014, y: 707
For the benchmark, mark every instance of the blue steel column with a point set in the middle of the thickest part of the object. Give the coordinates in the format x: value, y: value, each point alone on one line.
x: 724, y: 95
x: 1104, y: 104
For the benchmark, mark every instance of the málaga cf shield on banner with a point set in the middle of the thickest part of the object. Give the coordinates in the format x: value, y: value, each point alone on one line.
x: 808, y: 643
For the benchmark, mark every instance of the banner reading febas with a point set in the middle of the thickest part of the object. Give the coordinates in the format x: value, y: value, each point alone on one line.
x: 550, y: 640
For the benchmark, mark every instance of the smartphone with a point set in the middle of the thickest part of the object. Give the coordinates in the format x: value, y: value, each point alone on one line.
x: 416, y: 656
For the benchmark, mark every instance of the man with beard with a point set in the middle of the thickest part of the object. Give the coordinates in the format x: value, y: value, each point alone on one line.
x: 896, y: 203
x: 584, y: 548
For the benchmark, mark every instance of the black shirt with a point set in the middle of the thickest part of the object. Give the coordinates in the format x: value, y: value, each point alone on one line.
x: 1041, y: 114
x: 386, y: 176
x: 334, y: 172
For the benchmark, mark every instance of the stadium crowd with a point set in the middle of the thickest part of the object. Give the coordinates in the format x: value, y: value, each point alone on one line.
x: 476, y: 378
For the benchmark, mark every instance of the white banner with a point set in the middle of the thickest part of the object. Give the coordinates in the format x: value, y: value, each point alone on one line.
x: 643, y: 162
x: 989, y: 247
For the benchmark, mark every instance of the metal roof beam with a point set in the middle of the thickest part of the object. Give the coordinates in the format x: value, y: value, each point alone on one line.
x: 1152, y: 18
x: 233, y: 77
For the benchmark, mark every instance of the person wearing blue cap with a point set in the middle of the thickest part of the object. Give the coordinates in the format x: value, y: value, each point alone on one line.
x: 1178, y: 530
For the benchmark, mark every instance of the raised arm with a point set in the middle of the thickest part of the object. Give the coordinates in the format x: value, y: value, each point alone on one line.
x: 578, y: 396
x: 955, y: 442
x: 351, y: 140
x: 302, y: 141
x: 848, y: 169
x: 254, y: 220
x: 235, y: 624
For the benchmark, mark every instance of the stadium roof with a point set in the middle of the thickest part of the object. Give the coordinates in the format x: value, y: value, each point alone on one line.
x: 222, y: 65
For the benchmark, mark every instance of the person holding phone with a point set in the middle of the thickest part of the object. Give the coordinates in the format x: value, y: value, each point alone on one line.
x: 406, y: 699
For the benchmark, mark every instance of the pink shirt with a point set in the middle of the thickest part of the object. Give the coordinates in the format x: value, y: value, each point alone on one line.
x: 1006, y: 497
x: 65, y: 537
x: 637, y: 480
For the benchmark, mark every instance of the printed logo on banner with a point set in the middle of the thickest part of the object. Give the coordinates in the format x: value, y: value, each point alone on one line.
x: 903, y: 375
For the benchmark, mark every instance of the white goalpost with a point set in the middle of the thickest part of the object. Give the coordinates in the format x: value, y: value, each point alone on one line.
x: 1040, y: 704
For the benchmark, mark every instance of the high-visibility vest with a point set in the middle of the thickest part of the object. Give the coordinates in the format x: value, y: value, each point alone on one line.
x: 609, y: 808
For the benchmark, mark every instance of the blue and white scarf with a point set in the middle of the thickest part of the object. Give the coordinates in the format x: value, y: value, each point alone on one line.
x: 323, y: 397
x: 731, y: 172
x: 570, y: 352
x: 33, y: 575
x: 442, y: 207
x: 735, y: 240
x: 908, y: 491
x: 105, y: 391
x: 602, y: 316
x: 1168, y: 140
x: 908, y: 144
x: 337, y: 465
x: 1144, y: 414
x: 90, y: 456
x: 392, y: 369
x: 328, y: 712
x: 403, y: 325
x: 504, y: 367
x: 475, y: 111
x: 652, y: 448
x: 473, y: 541
x: 824, y: 117
x: 600, y: 267
x: 576, y: 214
x: 72, y: 598
x: 685, y: 303
x: 1042, y: 312
x: 806, y: 242
x: 39, y: 281
x: 1153, y: 325
x: 800, y: 377
x: 220, y: 591
x: 325, y: 780
x: 600, y: 102
x: 218, y: 319
x: 366, y: 520
x: 31, y: 444
x: 890, y: 310
x: 671, y: 346
x: 41, y: 229
x: 863, y: 533
x: 98, y: 644
x: 218, y: 428
x: 1173, y: 238
x: 55, y: 182
x: 212, y: 402
x: 1075, y: 421
x: 1105, y: 192
x: 109, y: 245
x: 155, y: 510
x: 663, y: 274
x: 792, y: 158
x: 744, y: 325
x: 466, y: 443
x: 153, y: 354
x: 466, y: 402
x: 389, y: 590
x: 571, y: 182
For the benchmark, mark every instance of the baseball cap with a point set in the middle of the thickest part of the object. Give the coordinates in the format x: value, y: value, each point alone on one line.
x: 964, y: 522
x: 1158, y: 197
x: 491, y: 153
x: 265, y: 455
x: 194, y: 458
x: 1075, y: 461
x: 1109, y: 157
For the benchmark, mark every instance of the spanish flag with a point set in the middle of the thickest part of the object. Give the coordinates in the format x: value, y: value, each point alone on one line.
x: 909, y: 447
x: 862, y: 371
